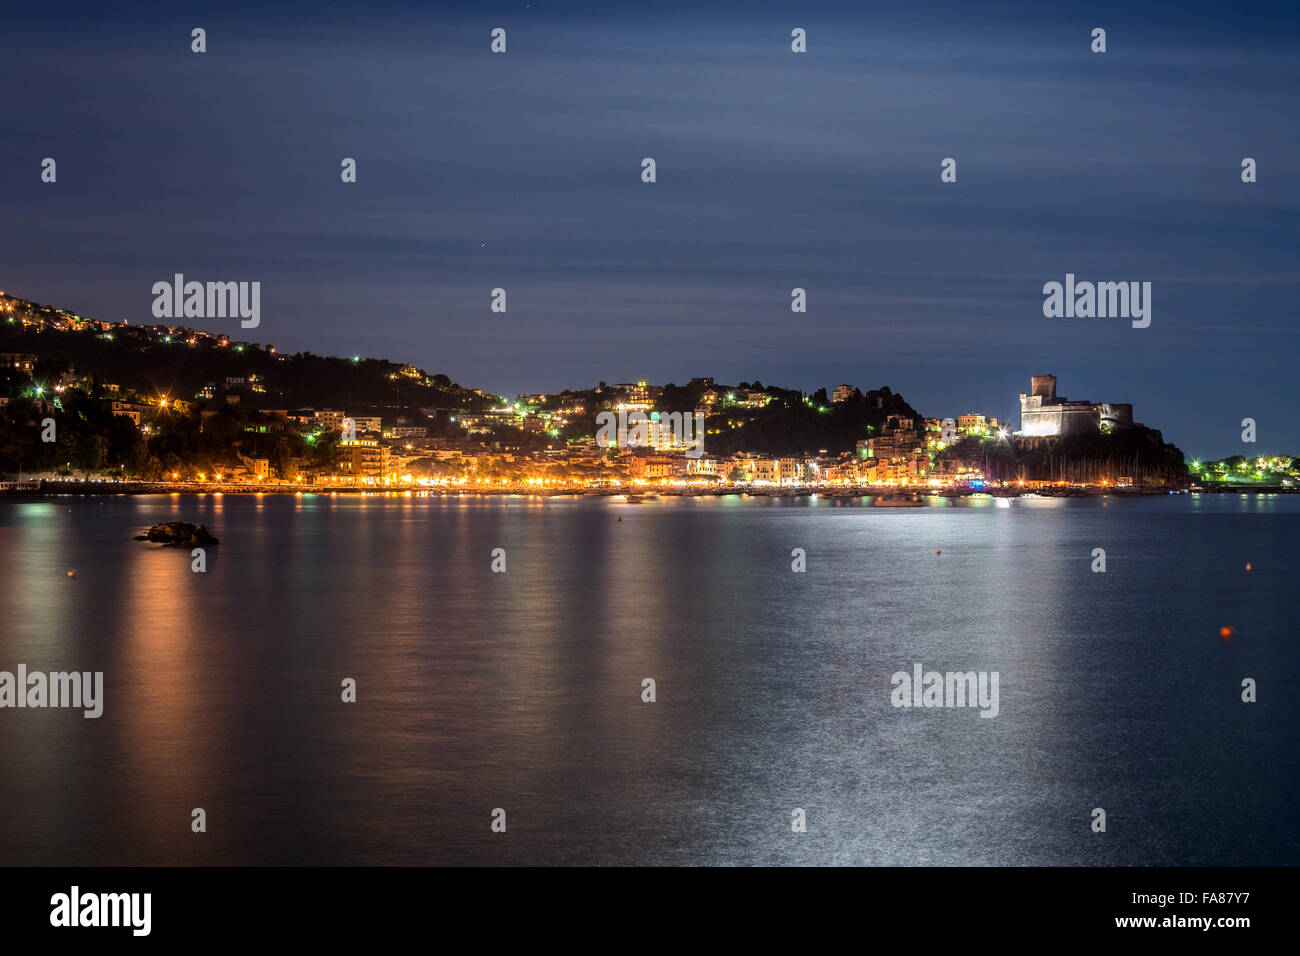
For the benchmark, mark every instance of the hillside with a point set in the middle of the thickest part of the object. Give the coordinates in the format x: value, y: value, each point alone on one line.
x: 181, y: 362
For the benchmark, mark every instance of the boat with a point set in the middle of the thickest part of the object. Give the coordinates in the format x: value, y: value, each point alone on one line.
x: 895, y: 502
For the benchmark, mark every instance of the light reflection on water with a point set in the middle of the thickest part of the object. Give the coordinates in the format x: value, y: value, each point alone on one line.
x: 522, y: 690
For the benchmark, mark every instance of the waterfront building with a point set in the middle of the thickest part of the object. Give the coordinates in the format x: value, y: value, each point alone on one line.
x: 365, y: 458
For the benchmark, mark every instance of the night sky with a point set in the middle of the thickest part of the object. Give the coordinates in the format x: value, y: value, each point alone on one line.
x: 775, y: 170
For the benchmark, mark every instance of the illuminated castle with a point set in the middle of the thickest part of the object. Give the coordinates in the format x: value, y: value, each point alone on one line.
x: 1042, y: 413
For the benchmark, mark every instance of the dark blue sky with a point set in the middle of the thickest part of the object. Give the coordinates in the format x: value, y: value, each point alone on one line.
x: 775, y: 170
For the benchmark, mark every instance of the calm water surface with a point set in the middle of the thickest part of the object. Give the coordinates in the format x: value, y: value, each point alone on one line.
x: 523, y: 690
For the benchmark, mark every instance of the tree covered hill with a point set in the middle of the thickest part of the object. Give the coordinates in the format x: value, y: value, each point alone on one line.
x: 792, y: 424
x: 180, y: 362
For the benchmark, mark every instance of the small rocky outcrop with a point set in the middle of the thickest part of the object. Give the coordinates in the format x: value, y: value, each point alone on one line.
x: 179, y: 533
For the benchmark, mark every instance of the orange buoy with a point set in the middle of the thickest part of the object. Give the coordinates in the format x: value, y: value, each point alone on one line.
x: 1247, y: 565
x: 1226, y: 633
x: 72, y: 574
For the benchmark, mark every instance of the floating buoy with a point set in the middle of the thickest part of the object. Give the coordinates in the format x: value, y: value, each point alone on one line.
x: 1226, y: 633
x: 938, y: 552
x: 72, y: 574
x: 1247, y: 565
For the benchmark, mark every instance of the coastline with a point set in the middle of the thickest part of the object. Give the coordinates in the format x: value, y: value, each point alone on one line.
x: 46, y: 488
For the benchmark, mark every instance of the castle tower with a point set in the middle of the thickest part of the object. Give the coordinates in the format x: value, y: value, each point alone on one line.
x: 1044, y: 386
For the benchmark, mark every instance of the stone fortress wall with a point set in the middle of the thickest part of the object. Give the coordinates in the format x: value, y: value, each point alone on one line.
x: 1043, y: 413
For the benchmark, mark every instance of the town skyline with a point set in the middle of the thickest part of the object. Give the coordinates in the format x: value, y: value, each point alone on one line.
x: 594, y: 437
x: 61, y: 319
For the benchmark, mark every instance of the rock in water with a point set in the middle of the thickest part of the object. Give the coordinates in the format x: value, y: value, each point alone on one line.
x: 179, y: 533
